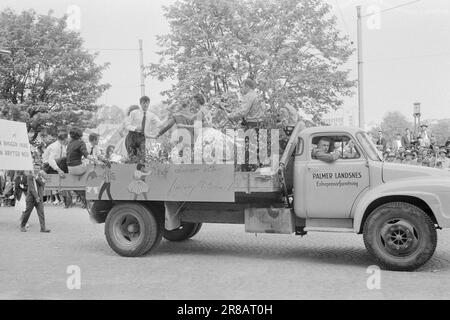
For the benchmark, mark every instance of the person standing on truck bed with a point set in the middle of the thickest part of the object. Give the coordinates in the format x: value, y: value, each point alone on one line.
x: 252, y: 114
x: 322, y: 152
x: 141, y: 124
x: 287, y: 120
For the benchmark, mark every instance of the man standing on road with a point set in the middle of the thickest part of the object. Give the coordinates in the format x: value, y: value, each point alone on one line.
x: 381, y: 142
x: 322, y: 152
x: 407, y: 139
x: 34, y: 199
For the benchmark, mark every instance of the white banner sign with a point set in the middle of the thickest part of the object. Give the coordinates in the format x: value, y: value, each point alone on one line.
x: 15, y: 152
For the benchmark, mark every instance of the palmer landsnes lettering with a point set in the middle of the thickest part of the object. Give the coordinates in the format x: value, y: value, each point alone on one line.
x: 337, y: 175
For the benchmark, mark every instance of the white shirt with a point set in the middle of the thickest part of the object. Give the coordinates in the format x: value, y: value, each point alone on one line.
x: 152, y: 122
x: 54, y: 151
x: 96, y: 152
x: 134, y: 120
x: 425, y: 139
x: 397, y: 144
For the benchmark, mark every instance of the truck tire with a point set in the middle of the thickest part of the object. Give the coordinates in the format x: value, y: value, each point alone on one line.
x: 132, y: 229
x: 186, y: 231
x: 400, y: 236
x: 197, y: 230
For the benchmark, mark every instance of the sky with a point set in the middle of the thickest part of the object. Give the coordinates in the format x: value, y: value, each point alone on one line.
x: 406, y: 49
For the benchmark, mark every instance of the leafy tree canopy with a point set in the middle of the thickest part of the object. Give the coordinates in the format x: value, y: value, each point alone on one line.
x: 50, y: 80
x: 292, y: 48
x: 393, y: 122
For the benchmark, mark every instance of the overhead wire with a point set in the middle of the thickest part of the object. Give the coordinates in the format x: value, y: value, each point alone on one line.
x: 391, y: 8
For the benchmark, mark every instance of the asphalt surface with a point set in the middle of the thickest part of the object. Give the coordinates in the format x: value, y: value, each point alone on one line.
x: 220, y: 262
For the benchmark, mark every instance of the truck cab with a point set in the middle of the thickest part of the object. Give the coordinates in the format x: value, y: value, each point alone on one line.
x: 345, y: 189
x: 319, y: 184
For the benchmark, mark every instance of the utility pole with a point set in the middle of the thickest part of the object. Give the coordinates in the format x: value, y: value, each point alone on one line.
x: 141, y: 61
x: 416, y: 115
x: 360, y: 70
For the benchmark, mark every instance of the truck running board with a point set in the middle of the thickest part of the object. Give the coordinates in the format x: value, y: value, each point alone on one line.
x: 326, y: 229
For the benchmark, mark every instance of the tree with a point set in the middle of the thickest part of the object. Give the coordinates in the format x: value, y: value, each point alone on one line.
x: 49, y: 80
x: 109, y: 115
x: 441, y: 130
x: 392, y: 123
x: 292, y: 48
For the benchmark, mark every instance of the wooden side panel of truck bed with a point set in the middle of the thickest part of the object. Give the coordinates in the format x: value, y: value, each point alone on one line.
x: 163, y: 182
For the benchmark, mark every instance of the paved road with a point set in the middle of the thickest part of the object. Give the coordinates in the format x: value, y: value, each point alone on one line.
x: 221, y: 262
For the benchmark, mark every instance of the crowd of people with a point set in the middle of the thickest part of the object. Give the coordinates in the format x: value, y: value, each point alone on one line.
x: 141, y: 131
x: 421, y: 149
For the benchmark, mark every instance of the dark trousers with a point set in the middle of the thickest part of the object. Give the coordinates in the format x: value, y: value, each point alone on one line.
x: 30, y: 204
x: 67, y: 198
x: 135, y: 144
x: 82, y: 195
x: 105, y: 186
x: 61, y: 163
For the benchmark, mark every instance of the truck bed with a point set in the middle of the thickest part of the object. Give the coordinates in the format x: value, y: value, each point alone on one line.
x: 212, y: 183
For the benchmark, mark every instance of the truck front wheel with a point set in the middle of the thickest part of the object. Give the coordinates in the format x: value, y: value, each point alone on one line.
x: 132, y: 229
x: 186, y: 231
x: 400, y: 236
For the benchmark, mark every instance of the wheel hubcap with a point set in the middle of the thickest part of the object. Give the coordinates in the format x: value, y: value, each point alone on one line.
x: 126, y: 229
x: 399, y: 237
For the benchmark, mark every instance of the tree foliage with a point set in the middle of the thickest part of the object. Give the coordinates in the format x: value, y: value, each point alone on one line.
x: 393, y: 122
x: 441, y: 130
x: 49, y: 80
x: 292, y: 48
x: 109, y: 115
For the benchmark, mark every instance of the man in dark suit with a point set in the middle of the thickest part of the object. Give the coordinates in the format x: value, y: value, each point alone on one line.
x: 407, y: 139
x: 381, y: 142
x: 20, y: 185
x: 34, y: 199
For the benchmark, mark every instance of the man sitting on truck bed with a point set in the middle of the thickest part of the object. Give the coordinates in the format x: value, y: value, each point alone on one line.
x: 322, y: 152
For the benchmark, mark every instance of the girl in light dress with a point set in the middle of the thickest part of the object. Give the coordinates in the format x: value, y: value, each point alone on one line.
x: 138, y: 185
x: 120, y: 148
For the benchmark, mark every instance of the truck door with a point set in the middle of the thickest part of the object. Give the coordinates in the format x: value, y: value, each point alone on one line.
x: 332, y: 187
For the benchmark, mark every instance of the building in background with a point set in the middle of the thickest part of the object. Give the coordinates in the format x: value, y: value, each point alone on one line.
x: 341, y: 117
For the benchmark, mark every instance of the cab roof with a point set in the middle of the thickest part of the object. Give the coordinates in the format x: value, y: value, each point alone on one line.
x: 330, y: 129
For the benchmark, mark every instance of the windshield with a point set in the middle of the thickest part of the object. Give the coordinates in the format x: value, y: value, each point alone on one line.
x: 368, y: 145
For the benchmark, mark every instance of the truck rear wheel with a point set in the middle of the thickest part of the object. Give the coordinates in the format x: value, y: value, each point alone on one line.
x: 132, y: 229
x: 186, y: 231
x: 400, y: 236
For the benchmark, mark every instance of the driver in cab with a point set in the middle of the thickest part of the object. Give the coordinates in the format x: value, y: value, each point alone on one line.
x: 322, y: 151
